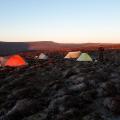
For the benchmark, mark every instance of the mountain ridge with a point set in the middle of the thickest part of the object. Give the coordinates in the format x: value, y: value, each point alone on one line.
x: 7, y: 48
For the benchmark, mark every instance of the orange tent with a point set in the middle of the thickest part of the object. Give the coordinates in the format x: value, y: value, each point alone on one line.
x: 15, y: 61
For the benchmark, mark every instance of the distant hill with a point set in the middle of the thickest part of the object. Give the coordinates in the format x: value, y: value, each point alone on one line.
x: 7, y: 48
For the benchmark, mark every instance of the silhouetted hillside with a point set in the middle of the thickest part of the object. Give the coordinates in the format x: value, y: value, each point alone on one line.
x: 7, y: 48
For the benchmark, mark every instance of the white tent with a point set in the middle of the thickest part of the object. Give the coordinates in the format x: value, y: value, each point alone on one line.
x: 43, y: 56
x: 3, y: 60
x: 36, y: 57
x: 74, y: 55
x: 84, y: 57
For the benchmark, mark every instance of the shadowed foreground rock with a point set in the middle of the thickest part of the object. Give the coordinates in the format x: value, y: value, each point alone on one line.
x: 61, y: 91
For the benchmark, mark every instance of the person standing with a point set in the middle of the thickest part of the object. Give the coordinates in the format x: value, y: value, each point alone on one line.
x: 101, y: 54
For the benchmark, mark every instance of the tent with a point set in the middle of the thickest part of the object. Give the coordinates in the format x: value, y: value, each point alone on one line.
x: 15, y: 61
x: 74, y: 55
x: 43, y: 56
x: 3, y: 61
x: 36, y: 57
x: 84, y: 57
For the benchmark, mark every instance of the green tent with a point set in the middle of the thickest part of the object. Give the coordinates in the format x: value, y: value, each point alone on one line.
x: 84, y: 57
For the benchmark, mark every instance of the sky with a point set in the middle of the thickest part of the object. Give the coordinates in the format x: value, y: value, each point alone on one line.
x: 67, y: 21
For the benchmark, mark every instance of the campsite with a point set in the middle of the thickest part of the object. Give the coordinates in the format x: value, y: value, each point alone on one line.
x: 59, y: 59
x: 57, y: 87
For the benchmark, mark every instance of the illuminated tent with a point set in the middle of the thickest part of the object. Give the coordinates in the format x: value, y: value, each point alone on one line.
x: 74, y: 55
x: 43, y: 56
x: 84, y: 57
x: 36, y: 57
x: 3, y: 61
x: 15, y: 61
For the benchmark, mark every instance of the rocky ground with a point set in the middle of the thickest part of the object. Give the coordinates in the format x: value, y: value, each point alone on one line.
x: 61, y: 90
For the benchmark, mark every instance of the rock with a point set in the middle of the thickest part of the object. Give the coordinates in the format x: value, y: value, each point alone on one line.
x: 61, y: 90
x: 68, y: 73
x: 109, y: 88
x: 94, y: 116
x: 88, y: 95
x: 107, y: 102
x: 100, y: 92
x: 79, y: 79
x: 4, y: 118
x: 93, y: 83
x: 21, y: 109
x: 80, y: 87
x: 113, y: 104
x: 71, y: 82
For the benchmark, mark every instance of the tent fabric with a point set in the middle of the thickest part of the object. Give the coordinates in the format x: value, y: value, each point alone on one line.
x: 43, y: 56
x: 84, y: 57
x: 73, y: 55
x: 36, y: 57
x: 3, y: 61
x: 15, y: 61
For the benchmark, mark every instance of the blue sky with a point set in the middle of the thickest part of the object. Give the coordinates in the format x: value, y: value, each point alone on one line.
x: 60, y: 20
